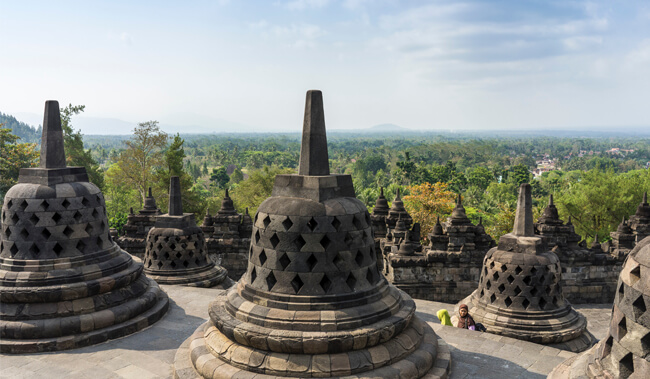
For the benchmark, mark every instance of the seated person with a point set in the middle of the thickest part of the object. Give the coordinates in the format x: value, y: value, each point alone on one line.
x: 465, y: 321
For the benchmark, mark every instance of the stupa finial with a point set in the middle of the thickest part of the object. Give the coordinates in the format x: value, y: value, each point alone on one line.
x: 314, y: 160
x: 550, y: 200
x: 52, y: 149
x: 398, y: 197
x: 175, y: 203
x: 524, y: 217
x: 150, y: 192
x: 381, y: 192
x: 645, y: 198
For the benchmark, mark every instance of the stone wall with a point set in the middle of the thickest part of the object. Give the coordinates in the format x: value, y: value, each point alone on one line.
x: 590, y: 278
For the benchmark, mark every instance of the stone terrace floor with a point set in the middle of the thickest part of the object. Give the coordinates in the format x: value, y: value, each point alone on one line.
x: 150, y: 353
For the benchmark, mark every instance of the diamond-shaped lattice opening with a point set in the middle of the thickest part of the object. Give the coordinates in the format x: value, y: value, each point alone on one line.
x: 370, y: 276
x: 154, y: 255
x: 287, y: 223
x: 493, y: 298
x: 527, y: 280
x: 492, y: 264
x: 299, y: 242
x: 257, y: 236
x: 275, y: 240
x: 357, y: 223
x: 635, y: 274
x: 23, y: 205
x: 65, y: 203
x: 542, y: 303
x: 186, y: 263
x: 518, y: 270
x: 638, y: 307
x: 10, y: 203
x: 100, y: 241
x: 173, y: 264
x: 510, y: 279
x: 534, y: 292
x: 338, y: 259
x: 501, y: 288
x: 525, y: 303
x: 13, y: 250
x: 312, y: 224
x: 172, y: 246
x: 482, y: 293
x: 621, y: 290
x: 34, y: 250
x: 533, y: 271
x: 57, y: 249
x: 160, y: 264
x: 24, y: 233
x: 488, y: 284
x: 336, y: 223
x: 45, y: 205
x: 81, y: 246
x: 46, y: 233
x: 351, y: 281
x: 263, y: 257
x: 504, y: 268
x: 266, y: 221
x: 56, y: 217
x: 325, y: 283
x: 95, y: 214
x: 270, y: 280
x: 645, y: 342
x: 311, y: 262
x: 15, y: 218
x: 166, y: 256
x: 555, y: 300
x: 190, y: 253
x: 178, y: 255
x: 297, y: 283
x: 359, y: 258
x: 77, y: 216
x: 85, y: 202
x: 626, y: 366
x: 89, y: 229
x: 34, y: 219
x: 325, y: 242
x: 68, y: 231
x: 253, y: 275
x: 517, y: 290
x: 508, y: 302
x: 284, y: 261
x: 7, y: 232
x: 495, y: 276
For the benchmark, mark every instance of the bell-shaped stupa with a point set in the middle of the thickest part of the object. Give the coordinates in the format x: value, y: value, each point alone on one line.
x: 312, y: 303
x: 520, y: 293
x: 625, y: 352
x: 176, y: 251
x: 64, y: 283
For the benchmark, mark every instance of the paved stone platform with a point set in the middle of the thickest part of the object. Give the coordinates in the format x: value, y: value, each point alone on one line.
x: 150, y: 353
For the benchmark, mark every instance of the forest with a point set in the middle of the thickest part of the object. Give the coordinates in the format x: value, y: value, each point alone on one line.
x: 596, y: 181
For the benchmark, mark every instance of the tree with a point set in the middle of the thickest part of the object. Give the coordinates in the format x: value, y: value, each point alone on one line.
x: 13, y: 157
x: 143, y: 154
x: 519, y: 174
x: 428, y: 201
x: 219, y: 177
x: 120, y: 196
x: 76, y: 154
x: 237, y: 175
x: 258, y: 187
x: 480, y: 177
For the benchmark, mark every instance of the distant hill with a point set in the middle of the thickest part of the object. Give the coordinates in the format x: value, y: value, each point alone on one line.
x: 387, y: 128
x: 26, y: 132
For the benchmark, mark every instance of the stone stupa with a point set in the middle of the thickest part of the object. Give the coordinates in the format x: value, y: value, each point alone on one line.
x: 520, y: 294
x: 625, y: 352
x: 64, y: 283
x: 312, y: 302
x: 176, y: 251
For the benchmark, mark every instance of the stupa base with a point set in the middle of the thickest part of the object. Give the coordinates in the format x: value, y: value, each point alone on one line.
x: 214, y: 276
x: 90, y: 320
x: 194, y: 359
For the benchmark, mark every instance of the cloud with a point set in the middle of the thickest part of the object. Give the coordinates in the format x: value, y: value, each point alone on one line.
x: 297, y: 35
x: 299, y: 5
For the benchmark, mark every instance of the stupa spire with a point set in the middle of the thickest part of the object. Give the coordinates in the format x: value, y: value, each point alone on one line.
x: 52, y: 149
x: 524, y: 217
x: 550, y: 200
x: 175, y: 204
x: 314, y: 160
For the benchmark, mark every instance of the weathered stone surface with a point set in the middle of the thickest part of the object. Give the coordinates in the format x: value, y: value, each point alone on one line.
x: 312, y: 302
x: 625, y: 352
x: 520, y: 293
x: 64, y: 283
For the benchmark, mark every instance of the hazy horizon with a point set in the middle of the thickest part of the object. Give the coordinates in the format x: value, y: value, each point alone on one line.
x: 204, y: 66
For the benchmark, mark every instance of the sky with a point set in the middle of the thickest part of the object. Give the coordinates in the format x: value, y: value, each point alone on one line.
x: 246, y: 65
